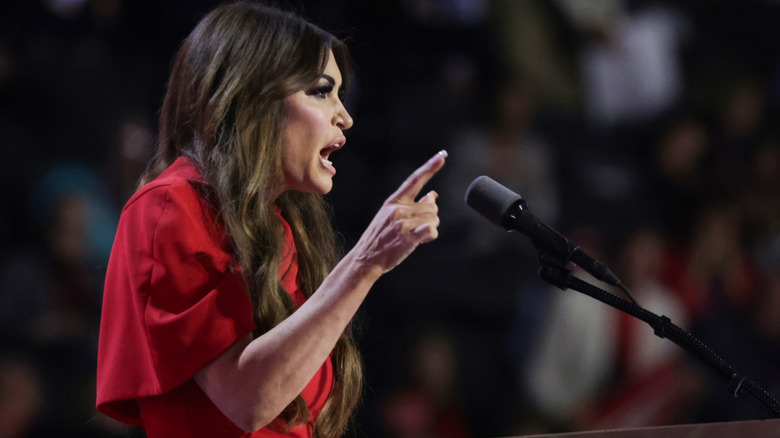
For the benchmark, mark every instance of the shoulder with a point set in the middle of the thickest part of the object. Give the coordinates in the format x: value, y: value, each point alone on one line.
x: 177, y: 183
x: 170, y: 216
x: 175, y: 198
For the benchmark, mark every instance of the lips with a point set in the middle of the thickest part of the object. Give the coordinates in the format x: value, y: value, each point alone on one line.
x: 327, y: 150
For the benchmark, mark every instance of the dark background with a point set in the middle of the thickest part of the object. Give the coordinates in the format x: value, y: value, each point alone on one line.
x: 456, y: 340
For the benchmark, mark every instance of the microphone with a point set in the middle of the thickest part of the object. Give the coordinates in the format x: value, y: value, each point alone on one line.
x: 509, y: 210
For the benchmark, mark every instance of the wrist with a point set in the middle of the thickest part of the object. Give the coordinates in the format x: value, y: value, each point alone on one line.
x: 363, y: 267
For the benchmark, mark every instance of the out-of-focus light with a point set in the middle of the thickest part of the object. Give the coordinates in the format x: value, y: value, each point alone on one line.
x: 66, y: 8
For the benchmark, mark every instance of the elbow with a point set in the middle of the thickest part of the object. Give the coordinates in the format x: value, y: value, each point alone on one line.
x: 249, y: 426
x: 250, y: 410
x: 255, y: 421
x: 255, y: 426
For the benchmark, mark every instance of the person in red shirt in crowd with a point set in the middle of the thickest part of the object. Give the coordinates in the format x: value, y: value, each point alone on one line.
x: 226, y: 310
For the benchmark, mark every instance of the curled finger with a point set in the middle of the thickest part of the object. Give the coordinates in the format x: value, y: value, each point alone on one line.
x: 426, y: 232
x: 429, y: 197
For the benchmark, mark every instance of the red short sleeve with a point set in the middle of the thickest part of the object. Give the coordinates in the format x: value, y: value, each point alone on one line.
x: 172, y: 300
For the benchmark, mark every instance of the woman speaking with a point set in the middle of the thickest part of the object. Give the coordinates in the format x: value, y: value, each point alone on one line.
x: 226, y: 309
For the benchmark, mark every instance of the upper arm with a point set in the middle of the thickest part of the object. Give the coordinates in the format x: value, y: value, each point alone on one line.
x: 171, y: 302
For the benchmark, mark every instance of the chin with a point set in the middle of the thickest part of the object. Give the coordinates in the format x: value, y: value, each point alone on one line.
x: 324, y: 184
x: 325, y: 189
x: 322, y: 187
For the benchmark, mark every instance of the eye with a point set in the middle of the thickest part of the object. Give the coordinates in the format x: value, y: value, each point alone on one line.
x: 322, y: 91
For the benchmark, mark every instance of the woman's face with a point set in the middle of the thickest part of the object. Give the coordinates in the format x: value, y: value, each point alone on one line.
x: 313, y: 129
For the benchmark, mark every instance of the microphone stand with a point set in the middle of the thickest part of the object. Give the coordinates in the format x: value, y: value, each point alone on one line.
x: 554, y: 272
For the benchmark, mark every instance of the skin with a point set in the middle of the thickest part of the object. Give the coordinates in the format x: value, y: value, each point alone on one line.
x: 256, y: 378
x: 315, y: 120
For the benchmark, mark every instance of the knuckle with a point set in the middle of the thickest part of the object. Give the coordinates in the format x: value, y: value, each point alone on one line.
x: 397, y: 213
x: 433, y: 234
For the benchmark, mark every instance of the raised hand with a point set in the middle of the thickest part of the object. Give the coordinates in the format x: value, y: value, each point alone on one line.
x: 402, y: 223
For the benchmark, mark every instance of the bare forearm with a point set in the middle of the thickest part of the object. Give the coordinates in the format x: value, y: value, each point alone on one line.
x: 254, y: 383
x: 254, y: 380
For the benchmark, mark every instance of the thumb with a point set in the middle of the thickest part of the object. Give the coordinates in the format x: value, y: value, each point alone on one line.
x: 429, y: 197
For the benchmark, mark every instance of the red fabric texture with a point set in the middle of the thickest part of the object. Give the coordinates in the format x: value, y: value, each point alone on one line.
x: 174, y: 300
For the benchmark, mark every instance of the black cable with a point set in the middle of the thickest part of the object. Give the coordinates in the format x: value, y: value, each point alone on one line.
x: 626, y: 291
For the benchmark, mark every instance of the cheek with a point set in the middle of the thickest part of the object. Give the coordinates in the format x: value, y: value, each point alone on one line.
x: 307, y: 127
x: 295, y: 136
x: 307, y: 131
x: 297, y: 149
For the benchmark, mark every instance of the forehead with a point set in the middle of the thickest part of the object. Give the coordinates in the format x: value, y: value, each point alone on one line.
x: 332, y: 69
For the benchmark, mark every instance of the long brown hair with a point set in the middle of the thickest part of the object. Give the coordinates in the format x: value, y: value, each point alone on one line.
x: 224, y: 110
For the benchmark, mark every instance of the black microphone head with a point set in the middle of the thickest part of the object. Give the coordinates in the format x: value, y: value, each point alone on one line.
x: 490, y: 199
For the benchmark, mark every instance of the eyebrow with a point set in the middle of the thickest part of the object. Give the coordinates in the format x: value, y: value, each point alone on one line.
x: 332, y: 82
x: 329, y: 78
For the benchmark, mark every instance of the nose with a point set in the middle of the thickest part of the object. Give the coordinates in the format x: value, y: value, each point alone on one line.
x: 341, y: 118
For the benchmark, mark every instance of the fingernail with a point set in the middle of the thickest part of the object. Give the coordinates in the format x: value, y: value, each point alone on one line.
x: 443, y: 153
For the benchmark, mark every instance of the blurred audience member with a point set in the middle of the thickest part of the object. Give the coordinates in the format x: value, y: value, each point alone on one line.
x: 713, y: 272
x: 50, y: 290
x: 133, y: 146
x: 427, y: 404
x: 679, y: 176
x: 21, y: 397
x: 759, y: 193
x: 719, y: 281
x: 765, y: 325
x: 740, y: 128
x: 572, y: 358
x: 650, y: 384
x: 513, y: 152
x: 631, y: 60
x: 534, y: 40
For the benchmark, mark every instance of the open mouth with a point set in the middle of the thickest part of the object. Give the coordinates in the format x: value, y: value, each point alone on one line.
x: 326, y: 151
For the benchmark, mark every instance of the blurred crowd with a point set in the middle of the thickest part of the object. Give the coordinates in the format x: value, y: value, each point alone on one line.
x: 644, y: 130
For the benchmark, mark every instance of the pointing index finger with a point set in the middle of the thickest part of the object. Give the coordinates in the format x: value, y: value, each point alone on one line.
x: 410, y: 188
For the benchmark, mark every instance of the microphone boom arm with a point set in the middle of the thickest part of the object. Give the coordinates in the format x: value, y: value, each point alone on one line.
x: 736, y: 383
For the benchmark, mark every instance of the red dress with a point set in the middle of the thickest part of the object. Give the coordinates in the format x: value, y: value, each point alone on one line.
x: 174, y: 300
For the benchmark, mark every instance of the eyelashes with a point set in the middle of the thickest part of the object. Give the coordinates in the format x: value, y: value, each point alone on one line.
x: 325, y: 89
x: 322, y: 91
